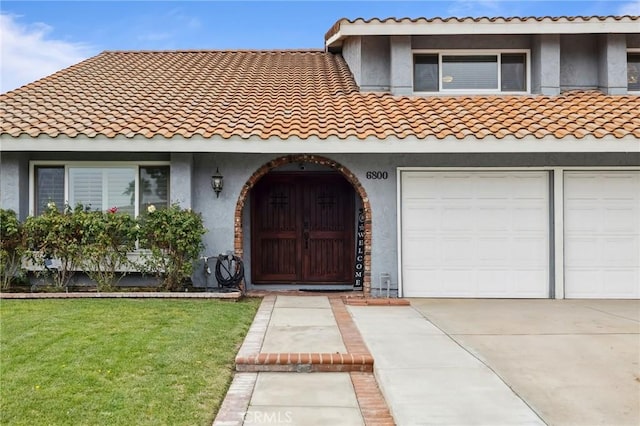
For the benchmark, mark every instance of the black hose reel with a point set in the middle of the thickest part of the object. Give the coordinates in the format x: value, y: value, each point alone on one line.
x: 229, y: 271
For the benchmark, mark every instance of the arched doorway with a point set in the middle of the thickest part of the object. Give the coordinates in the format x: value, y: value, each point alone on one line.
x: 301, y: 159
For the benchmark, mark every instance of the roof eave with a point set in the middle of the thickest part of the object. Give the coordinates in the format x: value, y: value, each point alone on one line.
x: 483, y: 26
x: 315, y: 145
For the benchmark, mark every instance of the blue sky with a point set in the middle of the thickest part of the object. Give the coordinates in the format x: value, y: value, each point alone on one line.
x: 38, y: 38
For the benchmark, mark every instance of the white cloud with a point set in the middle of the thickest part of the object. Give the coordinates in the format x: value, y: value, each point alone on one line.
x: 631, y: 8
x: 27, y: 54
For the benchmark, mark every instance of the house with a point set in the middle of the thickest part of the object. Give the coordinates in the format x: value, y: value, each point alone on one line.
x: 469, y: 157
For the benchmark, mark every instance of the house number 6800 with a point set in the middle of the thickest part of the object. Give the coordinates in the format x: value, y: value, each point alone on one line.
x: 377, y: 175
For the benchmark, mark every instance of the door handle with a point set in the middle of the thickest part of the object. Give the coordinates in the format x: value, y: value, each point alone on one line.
x: 305, y: 233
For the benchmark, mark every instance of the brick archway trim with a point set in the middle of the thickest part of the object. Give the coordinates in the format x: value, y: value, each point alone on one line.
x: 238, y: 242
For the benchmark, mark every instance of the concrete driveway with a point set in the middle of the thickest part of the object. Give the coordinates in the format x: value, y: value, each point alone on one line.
x: 574, y: 362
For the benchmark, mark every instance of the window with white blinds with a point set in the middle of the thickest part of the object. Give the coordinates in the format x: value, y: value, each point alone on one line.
x: 103, y: 188
x: 470, y: 72
x: 128, y: 188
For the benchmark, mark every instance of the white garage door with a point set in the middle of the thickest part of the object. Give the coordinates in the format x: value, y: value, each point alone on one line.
x: 475, y: 234
x: 602, y: 234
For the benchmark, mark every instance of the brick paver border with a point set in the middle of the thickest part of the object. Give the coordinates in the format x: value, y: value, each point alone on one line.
x: 368, y: 301
x: 255, y: 336
x: 236, y: 402
x: 372, y: 404
x: 235, y: 295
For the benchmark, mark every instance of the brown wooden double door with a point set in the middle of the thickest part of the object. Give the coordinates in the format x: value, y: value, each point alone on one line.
x: 302, y: 227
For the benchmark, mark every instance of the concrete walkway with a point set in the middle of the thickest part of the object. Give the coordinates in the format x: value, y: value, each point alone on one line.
x: 428, y: 379
x: 290, y: 337
x: 425, y: 376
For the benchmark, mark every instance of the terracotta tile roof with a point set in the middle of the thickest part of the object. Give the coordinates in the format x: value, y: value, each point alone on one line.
x: 475, y: 20
x: 282, y: 94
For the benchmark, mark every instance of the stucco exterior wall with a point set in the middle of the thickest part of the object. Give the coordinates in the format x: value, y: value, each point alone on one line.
x: 352, y: 54
x: 612, y: 66
x: 401, y: 63
x: 14, y: 183
x: 375, y: 64
x: 181, y: 176
x: 545, y: 64
x: 578, y: 62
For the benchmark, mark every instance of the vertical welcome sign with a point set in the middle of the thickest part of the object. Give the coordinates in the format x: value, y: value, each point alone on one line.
x: 359, y: 268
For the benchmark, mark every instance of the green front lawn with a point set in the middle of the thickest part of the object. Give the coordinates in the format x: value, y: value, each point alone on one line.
x: 118, y: 362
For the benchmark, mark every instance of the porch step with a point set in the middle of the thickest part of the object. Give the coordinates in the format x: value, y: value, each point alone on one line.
x: 374, y: 301
x: 305, y: 362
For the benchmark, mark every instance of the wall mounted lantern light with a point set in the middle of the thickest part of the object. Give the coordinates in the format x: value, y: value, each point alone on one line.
x: 217, y: 183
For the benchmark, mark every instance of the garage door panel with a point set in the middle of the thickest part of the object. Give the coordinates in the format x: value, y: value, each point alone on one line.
x: 530, y: 252
x: 421, y: 216
x: 580, y: 219
x: 459, y: 282
x: 492, y: 219
x: 451, y: 186
x: 589, y: 280
x: 608, y: 283
x: 491, y: 235
x: 494, y: 282
x: 412, y: 184
x: 490, y: 251
x: 527, y: 187
x: 583, y: 252
x: 602, y: 234
x: 625, y: 183
x: 619, y: 251
x: 619, y: 219
x: 456, y: 219
x: 423, y: 249
x: 602, y: 252
x: 621, y: 282
x: 533, y: 219
x: 527, y: 283
x: 456, y: 251
x: 491, y: 187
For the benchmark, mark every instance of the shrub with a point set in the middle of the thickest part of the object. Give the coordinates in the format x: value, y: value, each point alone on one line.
x: 12, y: 247
x: 108, y: 237
x: 56, y: 235
x: 173, y: 237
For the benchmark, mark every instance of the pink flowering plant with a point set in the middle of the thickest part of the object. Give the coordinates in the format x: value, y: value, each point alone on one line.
x: 98, y: 243
x: 172, y: 238
x: 56, y: 235
x: 108, y: 237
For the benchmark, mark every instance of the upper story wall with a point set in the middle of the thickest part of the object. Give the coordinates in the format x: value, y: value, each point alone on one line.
x: 558, y: 62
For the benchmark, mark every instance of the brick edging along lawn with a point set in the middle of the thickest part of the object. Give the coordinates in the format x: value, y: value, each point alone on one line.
x: 124, y: 295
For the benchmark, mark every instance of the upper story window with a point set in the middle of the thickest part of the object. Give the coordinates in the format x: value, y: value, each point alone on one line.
x: 128, y: 187
x: 474, y: 72
x: 633, y: 71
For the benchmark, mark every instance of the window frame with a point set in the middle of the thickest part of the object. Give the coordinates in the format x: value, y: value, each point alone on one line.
x: 473, y: 52
x: 136, y: 165
x: 634, y: 51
